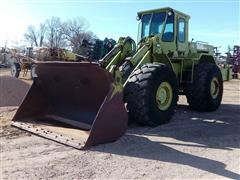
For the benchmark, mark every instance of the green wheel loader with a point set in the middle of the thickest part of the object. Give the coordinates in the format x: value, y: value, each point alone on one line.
x: 84, y: 104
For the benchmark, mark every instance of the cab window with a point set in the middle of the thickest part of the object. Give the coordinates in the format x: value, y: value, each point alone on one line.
x: 152, y: 24
x: 168, y: 34
x: 181, y: 30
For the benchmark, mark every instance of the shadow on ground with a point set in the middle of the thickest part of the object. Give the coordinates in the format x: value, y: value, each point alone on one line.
x: 206, y: 129
x: 219, y: 130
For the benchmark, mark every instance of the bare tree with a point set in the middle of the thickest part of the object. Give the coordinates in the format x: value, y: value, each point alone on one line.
x: 55, y: 35
x: 41, y: 33
x: 229, y: 49
x: 31, y: 36
x: 76, y: 33
x: 35, y: 36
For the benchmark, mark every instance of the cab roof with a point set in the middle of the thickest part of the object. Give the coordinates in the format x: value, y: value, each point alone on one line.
x: 165, y: 9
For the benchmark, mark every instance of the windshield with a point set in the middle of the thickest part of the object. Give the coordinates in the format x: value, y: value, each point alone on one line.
x: 152, y: 24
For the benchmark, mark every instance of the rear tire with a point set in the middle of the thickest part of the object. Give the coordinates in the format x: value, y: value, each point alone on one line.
x: 15, y: 70
x: 141, y: 94
x: 205, y: 92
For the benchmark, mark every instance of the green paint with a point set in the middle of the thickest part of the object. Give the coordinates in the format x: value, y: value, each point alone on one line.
x: 164, y: 96
x: 163, y: 38
x: 226, y: 73
x: 214, y: 88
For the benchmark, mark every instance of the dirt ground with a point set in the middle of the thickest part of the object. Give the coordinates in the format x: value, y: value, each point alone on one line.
x: 192, y: 146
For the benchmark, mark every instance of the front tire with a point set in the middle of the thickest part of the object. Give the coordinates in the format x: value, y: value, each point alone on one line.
x: 151, y: 94
x: 206, y: 90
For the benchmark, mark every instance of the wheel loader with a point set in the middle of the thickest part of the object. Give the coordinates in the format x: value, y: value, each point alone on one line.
x: 82, y: 104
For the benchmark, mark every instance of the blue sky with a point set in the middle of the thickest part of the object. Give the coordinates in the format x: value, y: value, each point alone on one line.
x: 213, y: 21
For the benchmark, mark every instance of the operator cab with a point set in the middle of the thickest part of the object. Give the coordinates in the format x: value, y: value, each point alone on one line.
x: 170, y: 25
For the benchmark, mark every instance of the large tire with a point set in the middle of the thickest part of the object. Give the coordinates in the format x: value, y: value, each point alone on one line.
x: 15, y: 70
x: 205, y: 92
x: 140, y: 94
x: 126, y: 68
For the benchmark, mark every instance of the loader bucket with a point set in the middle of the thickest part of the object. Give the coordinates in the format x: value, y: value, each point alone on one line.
x: 77, y: 104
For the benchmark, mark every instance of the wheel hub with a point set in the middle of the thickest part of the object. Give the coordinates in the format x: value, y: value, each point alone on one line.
x: 164, y: 96
x: 13, y: 70
x: 214, y: 88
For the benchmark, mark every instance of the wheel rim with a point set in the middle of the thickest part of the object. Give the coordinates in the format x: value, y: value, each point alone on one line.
x: 33, y: 72
x: 214, y: 89
x: 13, y: 70
x: 164, y: 96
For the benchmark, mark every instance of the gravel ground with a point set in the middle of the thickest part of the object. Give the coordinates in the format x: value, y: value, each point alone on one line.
x: 192, y: 146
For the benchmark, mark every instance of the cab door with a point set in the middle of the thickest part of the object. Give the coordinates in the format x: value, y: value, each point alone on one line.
x: 168, y: 40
